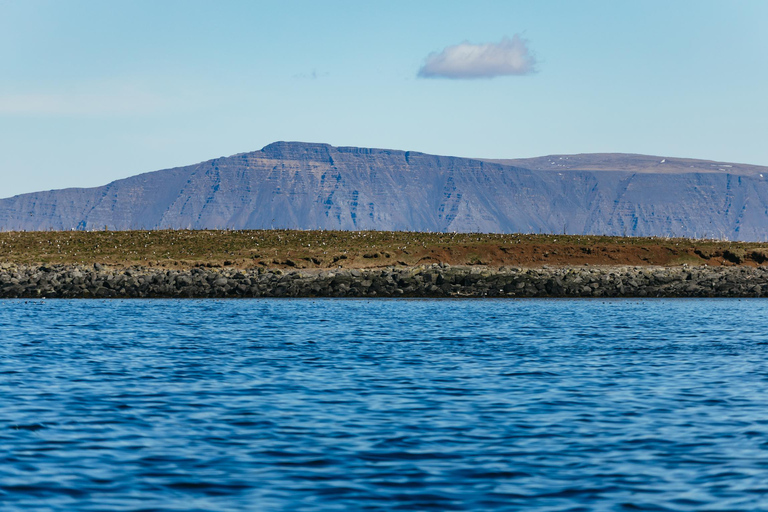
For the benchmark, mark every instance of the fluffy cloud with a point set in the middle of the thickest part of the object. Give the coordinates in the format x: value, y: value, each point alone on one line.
x: 467, y: 60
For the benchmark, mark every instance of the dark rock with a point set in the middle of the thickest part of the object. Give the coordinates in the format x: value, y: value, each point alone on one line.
x: 433, y: 281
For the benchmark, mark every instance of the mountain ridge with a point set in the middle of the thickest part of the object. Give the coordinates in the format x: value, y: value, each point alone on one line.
x: 631, y: 162
x: 319, y: 186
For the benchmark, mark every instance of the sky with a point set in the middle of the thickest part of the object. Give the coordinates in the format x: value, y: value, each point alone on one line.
x: 93, y: 91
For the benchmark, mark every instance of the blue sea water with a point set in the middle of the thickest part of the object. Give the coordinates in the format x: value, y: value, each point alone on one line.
x: 301, y: 405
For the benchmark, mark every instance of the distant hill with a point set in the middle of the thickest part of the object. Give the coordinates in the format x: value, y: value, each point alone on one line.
x: 317, y: 186
x: 631, y: 163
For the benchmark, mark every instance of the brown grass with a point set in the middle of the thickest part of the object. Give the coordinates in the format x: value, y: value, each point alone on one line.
x: 360, y: 249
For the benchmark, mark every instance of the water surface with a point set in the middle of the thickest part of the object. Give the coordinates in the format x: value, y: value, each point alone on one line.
x: 541, y: 405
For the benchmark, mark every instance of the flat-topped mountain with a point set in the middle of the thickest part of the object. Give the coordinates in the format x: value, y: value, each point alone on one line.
x: 318, y: 186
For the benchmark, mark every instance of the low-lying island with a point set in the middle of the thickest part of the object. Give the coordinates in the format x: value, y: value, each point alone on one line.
x: 293, y: 263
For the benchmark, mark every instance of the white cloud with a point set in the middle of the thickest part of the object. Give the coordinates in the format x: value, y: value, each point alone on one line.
x: 121, y: 101
x: 467, y: 60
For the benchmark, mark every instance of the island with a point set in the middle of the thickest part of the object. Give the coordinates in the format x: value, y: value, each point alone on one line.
x: 297, y: 263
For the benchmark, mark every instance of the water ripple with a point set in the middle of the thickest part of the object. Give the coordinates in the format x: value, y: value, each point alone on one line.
x: 543, y: 405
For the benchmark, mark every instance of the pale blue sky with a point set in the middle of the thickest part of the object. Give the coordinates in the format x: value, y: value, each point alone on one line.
x: 92, y: 91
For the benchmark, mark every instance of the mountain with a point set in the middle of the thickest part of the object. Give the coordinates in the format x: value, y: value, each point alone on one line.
x: 318, y: 186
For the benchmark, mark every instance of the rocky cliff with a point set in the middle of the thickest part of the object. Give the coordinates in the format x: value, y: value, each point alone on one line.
x: 317, y: 186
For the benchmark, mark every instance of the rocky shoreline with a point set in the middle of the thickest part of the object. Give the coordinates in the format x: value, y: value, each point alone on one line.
x: 437, y: 280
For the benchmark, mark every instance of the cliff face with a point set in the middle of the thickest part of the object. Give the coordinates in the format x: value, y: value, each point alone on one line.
x: 317, y: 186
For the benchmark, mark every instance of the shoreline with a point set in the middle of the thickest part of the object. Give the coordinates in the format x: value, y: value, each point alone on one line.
x: 423, y: 281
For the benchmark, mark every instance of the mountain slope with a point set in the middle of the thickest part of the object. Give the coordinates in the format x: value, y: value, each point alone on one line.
x: 317, y: 186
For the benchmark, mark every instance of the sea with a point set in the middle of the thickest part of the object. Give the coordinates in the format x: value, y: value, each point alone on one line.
x: 389, y: 404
